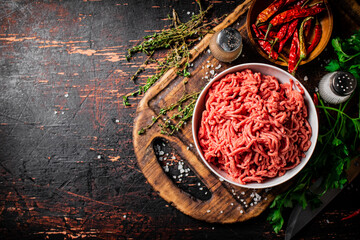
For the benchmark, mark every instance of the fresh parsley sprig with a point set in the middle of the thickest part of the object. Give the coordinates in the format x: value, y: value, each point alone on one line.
x: 337, y: 144
x: 348, y: 52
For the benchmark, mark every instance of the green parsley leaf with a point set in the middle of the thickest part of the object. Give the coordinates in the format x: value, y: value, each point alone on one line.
x: 333, y: 66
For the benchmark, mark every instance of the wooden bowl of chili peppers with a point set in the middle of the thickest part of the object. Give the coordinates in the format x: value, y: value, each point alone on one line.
x: 290, y: 32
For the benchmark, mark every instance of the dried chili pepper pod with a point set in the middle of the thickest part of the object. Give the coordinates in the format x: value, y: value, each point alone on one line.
x: 317, y: 37
x: 294, y: 13
x: 301, y: 3
x: 307, y: 27
x: 294, y: 53
x: 281, y: 34
x: 263, y: 29
x: 269, y: 11
x: 302, y: 46
x: 265, y: 45
x: 289, y: 33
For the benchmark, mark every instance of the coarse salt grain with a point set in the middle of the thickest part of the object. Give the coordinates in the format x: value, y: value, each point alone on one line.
x: 221, y: 211
x: 66, y: 95
x: 99, y: 156
x: 241, y: 211
x: 306, y: 78
x: 124, y: 216
x: 208, y: 211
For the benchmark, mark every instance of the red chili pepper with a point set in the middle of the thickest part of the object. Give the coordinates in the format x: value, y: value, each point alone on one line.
x: 289, y: 1
x: 317, y: 37
x: 316, y: 99
x: 316, y: 102
x: 307, y: 27
x: 290, y: 32
x: 266, y: 46
x: 281, y: 34
x: 301, y: 3
x: 263, y: 29
x: 269, y: 11
x: 357, y: 212
x: 303, y: 52
x: 294, y: 53
x: 292, y: 14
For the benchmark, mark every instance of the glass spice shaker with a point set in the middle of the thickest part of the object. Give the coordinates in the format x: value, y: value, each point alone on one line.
x: 226, y: 45
x: 336, y: 87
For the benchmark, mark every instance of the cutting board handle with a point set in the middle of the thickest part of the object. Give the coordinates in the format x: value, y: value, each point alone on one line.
x: 221, y: 207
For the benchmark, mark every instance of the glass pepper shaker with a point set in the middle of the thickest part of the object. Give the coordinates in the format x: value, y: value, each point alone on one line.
x: 336, y: 87
x: 226, y: 45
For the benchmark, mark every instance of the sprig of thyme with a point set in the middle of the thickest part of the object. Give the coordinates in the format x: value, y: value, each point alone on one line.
x: 183, y: 114
x: 178, y: 39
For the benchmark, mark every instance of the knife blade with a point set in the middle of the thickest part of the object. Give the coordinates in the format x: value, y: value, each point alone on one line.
x: 299, y: 217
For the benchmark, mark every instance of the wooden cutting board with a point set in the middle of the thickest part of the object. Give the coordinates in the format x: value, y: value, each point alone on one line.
x: 227, y: 203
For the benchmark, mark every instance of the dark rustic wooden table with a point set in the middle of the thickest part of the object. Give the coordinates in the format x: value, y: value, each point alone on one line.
x: 67, y: 165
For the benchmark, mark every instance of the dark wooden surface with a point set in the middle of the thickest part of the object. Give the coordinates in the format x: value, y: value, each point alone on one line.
x: 67, y: 165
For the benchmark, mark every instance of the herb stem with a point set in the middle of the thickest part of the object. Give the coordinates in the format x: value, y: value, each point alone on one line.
x: 339, y: 111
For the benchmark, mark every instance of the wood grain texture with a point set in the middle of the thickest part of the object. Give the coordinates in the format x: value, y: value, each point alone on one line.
x: 67, y: 163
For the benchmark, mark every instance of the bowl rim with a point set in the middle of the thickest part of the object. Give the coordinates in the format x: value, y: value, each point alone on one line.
x: 289, y: 173
x: 307, y: 60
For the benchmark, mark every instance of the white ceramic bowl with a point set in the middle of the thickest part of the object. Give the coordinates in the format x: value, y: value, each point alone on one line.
x: 283, y: 77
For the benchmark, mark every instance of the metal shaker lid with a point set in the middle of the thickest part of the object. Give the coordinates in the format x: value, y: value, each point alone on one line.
x: 343, y: 83
x: 229, y: 39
